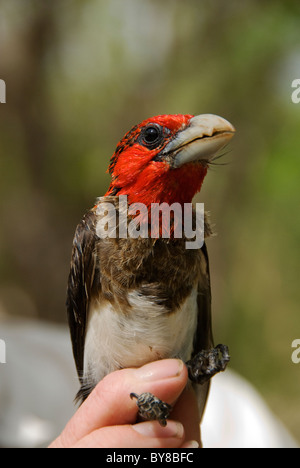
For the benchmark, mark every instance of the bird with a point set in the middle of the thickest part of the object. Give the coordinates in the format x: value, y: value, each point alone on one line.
x: 133, y: 300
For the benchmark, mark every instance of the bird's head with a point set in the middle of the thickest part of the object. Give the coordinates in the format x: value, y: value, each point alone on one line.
x: 165, y: 158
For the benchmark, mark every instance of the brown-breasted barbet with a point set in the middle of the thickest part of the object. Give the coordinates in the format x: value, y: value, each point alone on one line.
x: 137, y: 299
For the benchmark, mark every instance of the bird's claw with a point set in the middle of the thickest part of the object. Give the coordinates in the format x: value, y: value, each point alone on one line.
x: 201, y: 368
x: 208, y: 363
x: 152, y: 408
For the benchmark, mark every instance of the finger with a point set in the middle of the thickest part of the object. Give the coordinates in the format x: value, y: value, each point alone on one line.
x: 143, y: 435
x: 110, y: 404
x: 191, y: 444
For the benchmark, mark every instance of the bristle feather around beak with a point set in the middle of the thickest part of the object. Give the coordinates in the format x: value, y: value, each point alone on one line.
x: 200, y: 141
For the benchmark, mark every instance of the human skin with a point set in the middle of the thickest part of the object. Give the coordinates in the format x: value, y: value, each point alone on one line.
x: 108, y: 417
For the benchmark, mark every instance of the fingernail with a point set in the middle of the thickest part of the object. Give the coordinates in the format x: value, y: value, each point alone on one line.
x: 159, y: 370
x: 191, y: 444
x: 153, y: 429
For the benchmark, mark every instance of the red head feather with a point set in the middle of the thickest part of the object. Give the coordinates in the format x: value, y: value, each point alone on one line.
x: 138, y: 171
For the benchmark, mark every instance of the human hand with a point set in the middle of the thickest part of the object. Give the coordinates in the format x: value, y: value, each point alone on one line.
x: 107, y: 418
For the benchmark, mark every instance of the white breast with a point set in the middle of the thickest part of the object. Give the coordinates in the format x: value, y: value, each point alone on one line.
x: 147, y: 333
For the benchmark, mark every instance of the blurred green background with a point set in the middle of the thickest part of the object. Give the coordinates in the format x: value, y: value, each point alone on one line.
x: 80, y: 74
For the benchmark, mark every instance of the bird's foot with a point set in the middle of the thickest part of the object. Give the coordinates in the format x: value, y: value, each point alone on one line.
x: 201, y: 368
x: 152, y: 408
x: 208, y: 363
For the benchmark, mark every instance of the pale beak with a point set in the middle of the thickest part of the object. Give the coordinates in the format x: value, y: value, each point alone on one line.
x: 200, y: 141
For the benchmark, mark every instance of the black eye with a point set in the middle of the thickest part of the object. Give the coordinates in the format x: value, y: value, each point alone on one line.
x: 152, y: 135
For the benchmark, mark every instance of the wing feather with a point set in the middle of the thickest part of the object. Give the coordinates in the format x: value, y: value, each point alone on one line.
x: 81, y: 284
x: 203, y: 337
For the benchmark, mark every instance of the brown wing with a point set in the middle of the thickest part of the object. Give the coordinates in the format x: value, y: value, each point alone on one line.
x: 203, y: 337
x: 82, y: 282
